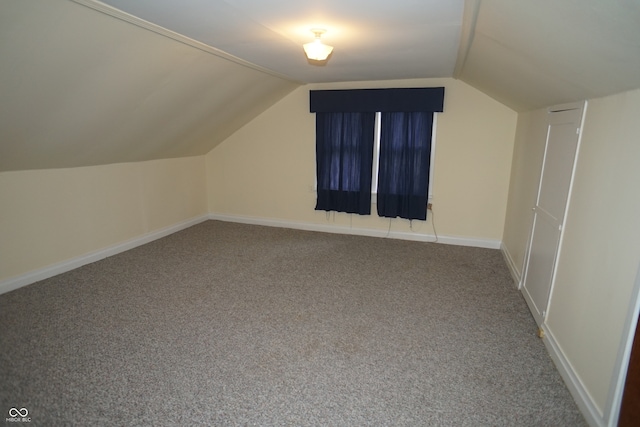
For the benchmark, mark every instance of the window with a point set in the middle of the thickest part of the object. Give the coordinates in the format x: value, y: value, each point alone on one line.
x: 344, y: 155
x: 350, y: 166
x: 376, y: 157
x: 403, y: 171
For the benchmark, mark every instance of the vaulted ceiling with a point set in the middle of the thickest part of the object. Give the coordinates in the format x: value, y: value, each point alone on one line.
x: 84, y: 82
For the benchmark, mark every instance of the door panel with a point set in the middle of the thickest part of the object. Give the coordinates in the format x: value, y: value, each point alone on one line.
x: 549, y: 210
x: 542, y: 258
x: 558, y: 163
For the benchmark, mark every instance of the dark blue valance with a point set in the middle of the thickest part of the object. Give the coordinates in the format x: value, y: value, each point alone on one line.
x: 430, y: 99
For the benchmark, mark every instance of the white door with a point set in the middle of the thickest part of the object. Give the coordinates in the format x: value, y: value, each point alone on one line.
x: 563, y: 135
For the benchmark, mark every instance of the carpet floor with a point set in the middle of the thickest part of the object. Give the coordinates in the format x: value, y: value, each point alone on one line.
x: 227, y: 324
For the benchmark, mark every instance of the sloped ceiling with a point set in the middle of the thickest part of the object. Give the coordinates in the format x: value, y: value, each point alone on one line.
x: 532, y: 54
x: 85, y: 83
x: 81, y: 88
x: 373, y: 39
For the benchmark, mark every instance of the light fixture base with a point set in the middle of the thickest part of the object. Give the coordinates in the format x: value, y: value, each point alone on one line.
x: 316, y: 50
x: 318, y: 32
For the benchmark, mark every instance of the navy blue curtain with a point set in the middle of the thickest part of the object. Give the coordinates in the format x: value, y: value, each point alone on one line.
x: 403, y: 174
x: 344, y: 157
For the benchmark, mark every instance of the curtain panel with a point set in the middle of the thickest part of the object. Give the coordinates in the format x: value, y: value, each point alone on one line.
x: 345, y: 121
x: 344, y: 158
x: 403, y: 168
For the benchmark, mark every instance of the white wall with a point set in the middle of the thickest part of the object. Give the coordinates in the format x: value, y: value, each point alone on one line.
x: 601, y: 249
x: 50, y: 216
x: 267, y: 169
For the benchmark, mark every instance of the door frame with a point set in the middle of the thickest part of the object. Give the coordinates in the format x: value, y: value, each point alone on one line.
x: 581, y: 105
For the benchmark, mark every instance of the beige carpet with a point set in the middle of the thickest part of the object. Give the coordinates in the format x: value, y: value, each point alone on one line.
x: 228, y: 324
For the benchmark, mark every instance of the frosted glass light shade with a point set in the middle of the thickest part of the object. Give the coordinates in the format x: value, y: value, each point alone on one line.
x: 316, y: 50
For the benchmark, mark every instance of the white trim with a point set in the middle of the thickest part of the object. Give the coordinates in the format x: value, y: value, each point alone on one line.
x: 515, y: 274
x: 73, y: 263
x: 467, y: 33
x: 565, y: 107
x: 432, y: 158
x: 624, y: 354
x: 141, y: 23
x: 76, y: 262
x: 580, y: 394
x: 575, y: 106
x: 541, y: 313
x: 337, y: 229
x: 376, y: 157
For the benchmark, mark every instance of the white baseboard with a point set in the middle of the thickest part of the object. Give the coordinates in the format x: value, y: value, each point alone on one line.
x: 585, y: 402
x: 517, y: 277
x: 307, y: 226
x: 588, y: 408
x: 70, y: 264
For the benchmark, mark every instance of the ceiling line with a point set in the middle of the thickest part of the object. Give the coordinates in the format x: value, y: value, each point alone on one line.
x: 468, y: 30
x: 141, y: 23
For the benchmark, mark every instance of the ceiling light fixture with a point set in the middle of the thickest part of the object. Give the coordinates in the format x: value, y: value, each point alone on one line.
x: 316, y: 50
